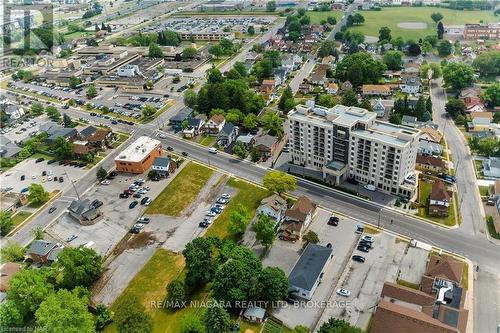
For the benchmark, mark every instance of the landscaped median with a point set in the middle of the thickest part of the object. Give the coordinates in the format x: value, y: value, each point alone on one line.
x: 181, y: 191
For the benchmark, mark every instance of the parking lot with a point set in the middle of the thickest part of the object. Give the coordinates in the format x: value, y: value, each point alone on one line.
x: 284, y: 254
x: 24, y: 128
x: 388, y: 260
x: 32, y: 172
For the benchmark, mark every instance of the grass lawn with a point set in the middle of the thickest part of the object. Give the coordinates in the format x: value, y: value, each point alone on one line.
x: 20, y: 217
x: 122, y: 137
x: 75, y: 35
x: 484, y: 191
x: 248, y: 195
x: 465, y: 276
x: 478, y: 165
x: 149, y: 286
x: 376, y: 19
x: 181, y: 191
x: 424, y: 190
x: 317, y: 17
x: 208, y: 141
x: 408, y: 284
x: 491, y: 227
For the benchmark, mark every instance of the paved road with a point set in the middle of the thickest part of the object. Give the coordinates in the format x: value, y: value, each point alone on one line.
x: 302, y: 74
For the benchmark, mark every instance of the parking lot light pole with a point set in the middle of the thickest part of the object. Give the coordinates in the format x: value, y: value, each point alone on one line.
x: 72, y: 183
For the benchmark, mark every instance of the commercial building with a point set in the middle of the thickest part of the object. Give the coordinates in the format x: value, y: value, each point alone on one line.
x: 348, y: 142
x: 482, y: 31
x: 139, y: 156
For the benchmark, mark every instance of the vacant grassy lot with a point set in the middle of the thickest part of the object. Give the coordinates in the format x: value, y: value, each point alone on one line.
x: 317, y: 17
x: 20, y: 217
x: 424, y: 190
x: 390, y: 17
x: 484, y: 191
x: 248, y: 195
x: 181, y: 191
x: 149, y: 286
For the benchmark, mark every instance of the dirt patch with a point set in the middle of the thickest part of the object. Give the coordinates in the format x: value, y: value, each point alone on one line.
x: 413, y: 25
x: 140, y: 240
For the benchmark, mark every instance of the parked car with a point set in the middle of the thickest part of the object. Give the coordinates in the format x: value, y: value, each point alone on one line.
x: 143, y: 201
x: 212, y: 150
x: 343, y: 292
x: 52, y: 209
x: 40, y: 159
x: 132, y: 204
x: 137, y: 195
x: 367, y: 238
x: 144, y: 220
x: 358, y: 258
x: 370, y: 187
x: 96, y: 204
x: 225, y: 196
x: 135, y: 230
x: 123, y: 195
x: 203, y: 224
x: 24, y: 190
x: 148, y: 202
x: 23, y: 177
x: 333, y: 220
x: 211, y: 213
x: 363, y: 248
x: 221, y: 201
x: 71, y: 238
x: 61, y: 179
x: 105, y: 182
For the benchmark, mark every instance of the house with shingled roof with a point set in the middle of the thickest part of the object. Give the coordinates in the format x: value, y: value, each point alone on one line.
x: 297, y: 218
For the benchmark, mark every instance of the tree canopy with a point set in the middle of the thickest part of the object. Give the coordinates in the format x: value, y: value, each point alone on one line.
x: 79, y: 266
x: 393, y: 60
x: 360, y: 68
x: 488, y: 63
x: 279, y: 182
x: 130, y: 316
x: 334, y: 325
x: 458, y: 75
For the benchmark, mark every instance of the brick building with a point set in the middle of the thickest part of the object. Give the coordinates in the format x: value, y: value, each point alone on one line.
x: 139, y: 156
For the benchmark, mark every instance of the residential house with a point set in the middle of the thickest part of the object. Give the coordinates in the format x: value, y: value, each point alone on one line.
x: 227, y: 135
x: 81, y: 148
x: 486, y: 114
x: 267, y: 87
x: 195, y: 125
x: 346, y: 85
x: 328, y: 60
x: 494, y: 200
x: 409, y: 121
x: 297, y: 218
x: 247, y: 140
x: 429, y: 148
x: 255, y: 314
x: 318, y: 77
x: 273, y: 206
x: 308, y: 270
x: 332, y: 88
x: 14, y: 111
x: 337, y: 6
x: 469, y: 92
x: 410, y: 84
x: 369, y: 90
x: 42, y: 251
x: 430, y: 134
x: 304, y: 88
x: 96, y: 138
x: 491, y: 167
x: 11, y: 201
x: 439, y: 200
x: 183, y: 115
x: 83, y: 213
x: 378, y: 107
x: 8, y: 148
x: 441, y: 267
x: 291, y: 61
x: 477, y: 107
x: 163, y: 166
x: 214, y: 125
x: 429, y: 163
x: 280, y: 75
x: 411, y: 68
x: 266, y: 145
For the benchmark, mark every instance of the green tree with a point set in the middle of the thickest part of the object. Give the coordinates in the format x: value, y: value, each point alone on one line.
x: 130, y: 316
x: 491, y: 95
x: 488, y: 63
x: 191, y: 323
x: 455, y: 107
x: 148, y: 110
x: 393, y: 60
x: 53, y: 113
x: 440, y: 30
x: 251, y: 30
x: 428, y: 105
x: 190, y: 98
x: 37, y: 233
x: 273, y: 284
x: 217, y: 319
x: 310, y: 237
x: 65, y: 311
x: 91, y: 91
x: 62, y: 149
x: 101, y: 173
x: 240, y: 68
x: 331, y: 20
x: 37, y: 194
x: 28, y: 288
x: 334, y: 325
x: 240, y: 150
x: 272, y: 122
x: 360, y: 68
x: 426, y: 47
x: 254, y: 155
x: 395, y: 118
x: 67, y: 120
x: 11, y: 251
x: 188, y: 53
x: 250, y: 121
x: 176, y: 294
x: 264, y: 230
x: 444, y: 48
x: 326, y: 100
x: 74, y: 82
x: 171, y: 38
x: 286, y: 95
x: 155, y: 51
x: 234, y: 116
x: 279, y: 182
x: 426, y: 68
x: 239, y: 219
x: 271, y: 6
x: 79, y: 266
x: 36, y: 109
x: 384, y: 34
x: 6, y: 223
x: 458, y: 75
x: 436, y: 17
x: 327, y: 48
x: 103, y: 316
x: 300, y: 329
x: 10, y: 315
x: 200, y: 261
x: 216, y: 50
x: 358, y: 19
x: 349, y: 98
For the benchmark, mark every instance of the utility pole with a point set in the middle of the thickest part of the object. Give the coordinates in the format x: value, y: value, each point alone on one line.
x: 72, y: 183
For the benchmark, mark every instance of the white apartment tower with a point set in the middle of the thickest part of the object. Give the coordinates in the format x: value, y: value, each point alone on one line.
x: 348, y: 142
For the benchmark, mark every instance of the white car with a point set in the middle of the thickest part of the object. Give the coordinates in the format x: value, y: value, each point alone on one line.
x: 148, y: 202
x: 367, y: 238
x: 49, y: 178
x: 343, y: 292
x: 139, y: 225
x: 213, y: 150
x: 33, y: 177
x: 144, y: 220
x: 162, y: 136
x: 370, y: 187
x: 221, y: 201
x: 210, y: 214
x: 225, y: 196
x: 105, y: 182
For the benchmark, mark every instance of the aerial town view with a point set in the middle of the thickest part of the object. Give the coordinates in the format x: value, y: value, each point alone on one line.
x: 253, y: 166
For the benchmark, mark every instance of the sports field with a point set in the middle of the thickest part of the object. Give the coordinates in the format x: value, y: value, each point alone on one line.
x: 317, y: 17
x: 392, y: 16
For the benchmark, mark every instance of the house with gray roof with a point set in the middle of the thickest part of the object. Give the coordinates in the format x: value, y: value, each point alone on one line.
x: 378, y: 107
x: 43, y: 251
x: 254, y: 313
x: 308, y: 270
x: 409, y: 121
x: 8, y: 148
x: 83, y: 213
x: 429, y: 148
x: 87, y: 131
x: 163, y: 166
x: 491, y: 167
x: 227, y: 135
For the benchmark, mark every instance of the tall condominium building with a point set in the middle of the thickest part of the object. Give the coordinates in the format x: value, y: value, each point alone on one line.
x: 348, y: 142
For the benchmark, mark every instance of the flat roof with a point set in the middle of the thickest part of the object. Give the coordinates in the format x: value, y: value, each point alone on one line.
x: 397, y: 135
x: 138, y: 150
x: 308, y: 268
